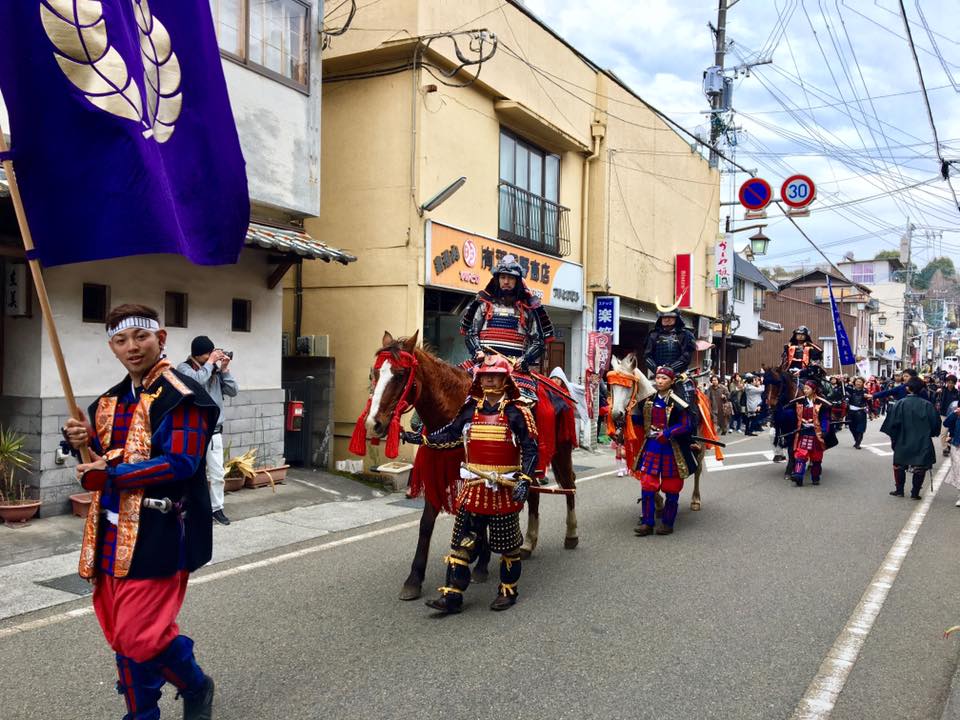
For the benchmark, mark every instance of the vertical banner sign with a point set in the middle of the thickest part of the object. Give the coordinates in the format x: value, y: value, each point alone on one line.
x: 863, y: 367
x: 843, y: 342
x: 683, y: 285
x: 724, y: 259
x: 607, y: 316
x: 828, y: 354
x: 599, y: 353
x: 15, y: 297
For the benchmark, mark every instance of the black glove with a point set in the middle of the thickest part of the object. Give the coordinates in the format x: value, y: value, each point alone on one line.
x: 522, y: 488
x: 411, y: 438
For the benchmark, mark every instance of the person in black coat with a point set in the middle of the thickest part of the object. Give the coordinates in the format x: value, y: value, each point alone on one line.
x: 857, y: 411
x: 911, y: 423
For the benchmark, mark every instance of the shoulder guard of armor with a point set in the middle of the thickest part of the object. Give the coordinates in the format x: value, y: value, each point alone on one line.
x: 528, y: 417
x: 815, y: 346
x: 466, y: 320
x: 546, y: 324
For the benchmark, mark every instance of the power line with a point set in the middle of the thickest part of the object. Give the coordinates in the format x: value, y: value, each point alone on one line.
x: 944, y: 165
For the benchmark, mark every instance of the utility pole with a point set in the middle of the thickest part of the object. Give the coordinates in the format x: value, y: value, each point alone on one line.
x: 907, y: 243
x: 716, y: 103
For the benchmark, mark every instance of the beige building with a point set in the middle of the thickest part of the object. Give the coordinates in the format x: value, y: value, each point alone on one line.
x: 565, y: 167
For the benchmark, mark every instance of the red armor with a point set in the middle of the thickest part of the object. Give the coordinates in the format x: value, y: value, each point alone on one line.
x: 490, y: 448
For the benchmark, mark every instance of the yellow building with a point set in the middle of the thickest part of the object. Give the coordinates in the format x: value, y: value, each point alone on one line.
x: 565, y: 167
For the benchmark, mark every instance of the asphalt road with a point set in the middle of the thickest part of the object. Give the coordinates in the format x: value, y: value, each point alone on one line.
x: 730, y: 617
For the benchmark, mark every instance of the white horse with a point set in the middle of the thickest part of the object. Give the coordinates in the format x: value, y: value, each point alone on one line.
x: 627, y: 386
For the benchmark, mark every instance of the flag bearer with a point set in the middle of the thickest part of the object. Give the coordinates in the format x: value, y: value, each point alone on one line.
x: 149, y: 525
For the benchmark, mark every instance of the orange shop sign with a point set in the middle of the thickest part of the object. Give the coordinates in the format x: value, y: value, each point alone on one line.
x: 464, y: 261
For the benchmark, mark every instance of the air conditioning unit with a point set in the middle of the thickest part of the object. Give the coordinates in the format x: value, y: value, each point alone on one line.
x: 314, y: 345
x: 703, y: 328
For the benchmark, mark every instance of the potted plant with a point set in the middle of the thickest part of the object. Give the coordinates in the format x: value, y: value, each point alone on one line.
x: 80, y: 503
x: 239, y: 469
x: 269, y: 476
x: 15, y: 507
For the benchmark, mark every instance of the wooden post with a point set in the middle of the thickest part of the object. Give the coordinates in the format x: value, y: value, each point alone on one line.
x: 41, y: 289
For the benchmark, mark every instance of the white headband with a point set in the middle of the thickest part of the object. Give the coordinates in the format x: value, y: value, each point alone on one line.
x: 133, y: 321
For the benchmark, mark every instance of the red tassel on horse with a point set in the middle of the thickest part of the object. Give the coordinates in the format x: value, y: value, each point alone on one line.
x: 358, y: 441
x: 393, y: 433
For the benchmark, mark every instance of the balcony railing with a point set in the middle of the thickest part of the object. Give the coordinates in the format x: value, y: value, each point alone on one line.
x: 533, y: 221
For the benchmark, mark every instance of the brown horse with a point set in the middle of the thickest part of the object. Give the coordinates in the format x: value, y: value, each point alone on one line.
x: 782, y: 389
x: 437, y: 391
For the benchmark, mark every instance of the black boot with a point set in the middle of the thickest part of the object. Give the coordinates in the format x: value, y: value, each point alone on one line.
x: 917, y: 485
x: 199, y: 706
x: 450, y: 601
x: 899, y: 480
x: 510, y: 568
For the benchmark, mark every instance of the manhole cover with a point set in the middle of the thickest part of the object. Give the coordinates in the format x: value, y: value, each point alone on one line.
x: 409, y: 502
x: 68, y: 583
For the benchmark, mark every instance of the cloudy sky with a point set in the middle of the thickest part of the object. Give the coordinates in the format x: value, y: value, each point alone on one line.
x: 840, y: 102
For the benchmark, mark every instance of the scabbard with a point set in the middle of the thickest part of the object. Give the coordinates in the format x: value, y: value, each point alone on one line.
x: 708, y: 441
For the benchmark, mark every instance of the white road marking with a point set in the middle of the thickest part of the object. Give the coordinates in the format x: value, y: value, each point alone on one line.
x: 246, y: 567
x: 822, y: 694
x: 315, y: 487
x: 768, y: 453
x: 878, y: 451
x: 723, y: 468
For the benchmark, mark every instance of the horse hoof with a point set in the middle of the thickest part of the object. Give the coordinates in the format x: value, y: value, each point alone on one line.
x: 411, y: 592
x: 525, y: 553
x: 694, y: 505
x: 479, y: 576
x: 570, y: 543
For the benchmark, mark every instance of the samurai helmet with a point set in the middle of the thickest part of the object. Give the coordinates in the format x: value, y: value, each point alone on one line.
x: 494, y: 365
x: 508, y: 265
x: 802, y: 329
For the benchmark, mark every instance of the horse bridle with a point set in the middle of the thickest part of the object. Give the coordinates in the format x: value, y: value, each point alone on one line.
x: 622, y: 379
x: 405, y: 361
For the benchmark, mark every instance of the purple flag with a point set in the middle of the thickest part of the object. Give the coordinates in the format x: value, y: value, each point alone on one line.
x: 122, y: 136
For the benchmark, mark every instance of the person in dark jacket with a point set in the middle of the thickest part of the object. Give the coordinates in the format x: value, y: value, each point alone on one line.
x: 911, y: 423
x: 857, y: 411
x: 948, y: 395
x: 149, y: 524
x: 896, y: 392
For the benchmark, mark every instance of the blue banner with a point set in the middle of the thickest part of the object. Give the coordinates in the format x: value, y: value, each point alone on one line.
x: 843, y: 342
x: 122, y: 137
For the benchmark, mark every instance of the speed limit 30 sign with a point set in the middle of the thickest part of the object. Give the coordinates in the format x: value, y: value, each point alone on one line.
x: 798, y: 191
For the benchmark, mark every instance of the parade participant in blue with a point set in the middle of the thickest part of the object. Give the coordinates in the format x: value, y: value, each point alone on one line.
x: 811, y: 438
x: 800, y: 353
x: 897, y: 392
x: 666, y: 458
x: 149, y: 524
x: 507, y: 318
x: 911, y: 423
x: 500, y: 439
x: 857, y: 410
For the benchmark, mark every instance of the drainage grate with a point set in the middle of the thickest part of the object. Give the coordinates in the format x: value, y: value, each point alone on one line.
x: 73, y: 584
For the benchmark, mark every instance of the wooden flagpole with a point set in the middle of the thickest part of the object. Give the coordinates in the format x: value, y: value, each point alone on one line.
x: 41, y: 289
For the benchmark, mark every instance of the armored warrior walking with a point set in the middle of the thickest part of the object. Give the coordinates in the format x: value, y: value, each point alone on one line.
x: 501, y: 451
x: 810, y: 440
x: 666, y: 458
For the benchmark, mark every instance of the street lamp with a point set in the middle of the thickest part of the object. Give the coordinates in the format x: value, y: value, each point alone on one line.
x: 882, y: 320
x: 759, y: 242
x: 442, y: 196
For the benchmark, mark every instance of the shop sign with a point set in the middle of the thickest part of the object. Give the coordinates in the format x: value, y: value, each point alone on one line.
x: 607, y: 314
x: 599, y: 351
x: 464, y: 261
x: 723, y: 254
x: 15, y: 297
x: 683, y: 280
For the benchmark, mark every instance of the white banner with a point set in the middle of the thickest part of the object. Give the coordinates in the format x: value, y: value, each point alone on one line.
x: 863, y: 367
x: 724, y: 262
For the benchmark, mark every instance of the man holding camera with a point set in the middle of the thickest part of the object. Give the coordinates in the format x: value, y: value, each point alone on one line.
x: 209, y: 366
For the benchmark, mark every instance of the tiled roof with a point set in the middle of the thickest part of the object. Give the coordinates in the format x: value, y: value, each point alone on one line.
x: 294, y: 242
x: 748, y: 271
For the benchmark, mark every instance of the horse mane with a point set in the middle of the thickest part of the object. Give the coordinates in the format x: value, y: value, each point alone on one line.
x: 449, y: 383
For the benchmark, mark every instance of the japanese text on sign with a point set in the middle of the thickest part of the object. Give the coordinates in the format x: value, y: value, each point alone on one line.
x: 724, y: 259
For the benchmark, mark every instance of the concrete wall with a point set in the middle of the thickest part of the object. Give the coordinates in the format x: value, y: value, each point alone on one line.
x: 32, y: 401
x: 279, y: 129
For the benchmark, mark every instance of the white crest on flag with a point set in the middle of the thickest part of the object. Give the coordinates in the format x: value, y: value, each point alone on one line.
x: 78, y: 31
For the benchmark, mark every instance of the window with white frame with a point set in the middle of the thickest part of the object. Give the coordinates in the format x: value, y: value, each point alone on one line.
x: 267, y: 35
x: 739, y: 289
x: 758, y: 298
x: 862, y: 273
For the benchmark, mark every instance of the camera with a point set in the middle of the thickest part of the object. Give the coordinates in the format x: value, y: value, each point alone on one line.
x: 228, y: 353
